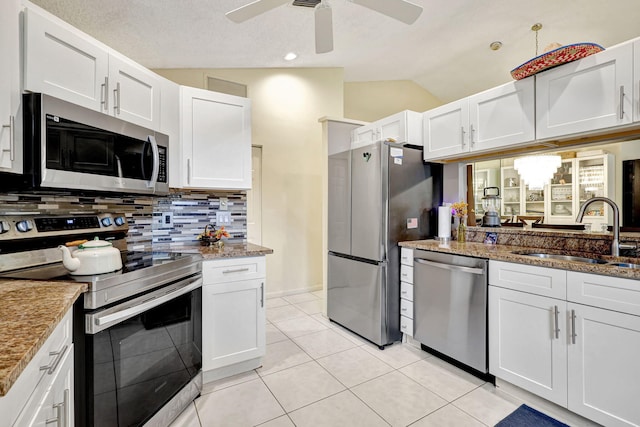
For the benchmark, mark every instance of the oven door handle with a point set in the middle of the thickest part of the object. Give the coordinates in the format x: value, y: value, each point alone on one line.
x: 99, y: 322
x: 156, y: 162
x: 450, y: 266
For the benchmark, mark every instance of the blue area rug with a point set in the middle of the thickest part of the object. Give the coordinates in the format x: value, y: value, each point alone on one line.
x: 525, y: 416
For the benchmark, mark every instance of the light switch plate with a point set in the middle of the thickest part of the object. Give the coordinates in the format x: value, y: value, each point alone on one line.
x: 223, y: 217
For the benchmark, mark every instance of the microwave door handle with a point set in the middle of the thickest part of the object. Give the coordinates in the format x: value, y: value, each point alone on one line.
x: 156, y: 161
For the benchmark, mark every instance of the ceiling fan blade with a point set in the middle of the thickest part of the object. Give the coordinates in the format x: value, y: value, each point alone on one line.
x: 324, y: 29
x: 401, y: 10
x: 253, y: 9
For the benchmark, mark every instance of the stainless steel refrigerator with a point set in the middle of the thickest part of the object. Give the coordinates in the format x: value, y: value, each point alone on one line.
x: 379, y: 194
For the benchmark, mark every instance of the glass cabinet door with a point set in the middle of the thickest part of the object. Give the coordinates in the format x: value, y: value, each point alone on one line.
x: 592, y: 182
x: 510, y: 192
x: 561, y: 203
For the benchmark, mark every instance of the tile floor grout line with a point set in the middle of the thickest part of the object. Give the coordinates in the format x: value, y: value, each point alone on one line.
x: 459, y: 408
x: 274, y: 396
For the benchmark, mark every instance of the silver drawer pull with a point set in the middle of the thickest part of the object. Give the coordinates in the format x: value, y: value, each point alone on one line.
x: 52, y: 367
x: 404, y: 292
x: 404, y: 309
x: 62, y: 411
x: 237, y: 270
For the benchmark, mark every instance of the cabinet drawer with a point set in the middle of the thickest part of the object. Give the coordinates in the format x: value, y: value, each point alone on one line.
x: 406, y: 256
x: 406, y: 273
x: 543, y: 281
x: 406, y: 308
x: 613, y: 293
x: 233, y: 269
x: 34, y: 374
x: 406, y: 325
x: 406, y: 291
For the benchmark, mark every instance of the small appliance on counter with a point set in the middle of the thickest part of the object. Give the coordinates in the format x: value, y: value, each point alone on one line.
x: 491, y: 206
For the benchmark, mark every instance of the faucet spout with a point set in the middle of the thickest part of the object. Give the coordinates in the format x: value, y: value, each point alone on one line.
x: 615, y: 244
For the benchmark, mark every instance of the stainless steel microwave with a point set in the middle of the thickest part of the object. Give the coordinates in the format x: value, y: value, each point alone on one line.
x: 73, y: 148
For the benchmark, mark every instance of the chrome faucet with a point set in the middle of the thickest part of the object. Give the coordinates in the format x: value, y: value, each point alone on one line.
x: 615, y: 244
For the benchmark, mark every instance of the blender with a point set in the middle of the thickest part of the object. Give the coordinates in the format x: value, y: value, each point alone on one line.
x: 491, y: 206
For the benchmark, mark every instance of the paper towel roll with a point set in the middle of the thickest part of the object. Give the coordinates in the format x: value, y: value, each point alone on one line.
x: 444, y: 221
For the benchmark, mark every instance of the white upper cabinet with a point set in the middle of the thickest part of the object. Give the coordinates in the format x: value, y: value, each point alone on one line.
x: 215, y: 140
x: 499, y: 117
x: 404, y: 127
x: 10, y: 120
x: 502, y: 116
x: 636, y: 81
x: 586, y: 95
x: 65, y: 63
x: 445, y: 130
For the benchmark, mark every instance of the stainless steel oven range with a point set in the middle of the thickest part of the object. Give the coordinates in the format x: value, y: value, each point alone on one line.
x: 137, y: 331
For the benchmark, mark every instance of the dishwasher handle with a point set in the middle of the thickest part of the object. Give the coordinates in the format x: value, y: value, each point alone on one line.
x: 451, y: 267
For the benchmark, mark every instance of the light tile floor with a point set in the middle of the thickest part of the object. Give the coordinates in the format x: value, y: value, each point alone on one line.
x: 316, y: 373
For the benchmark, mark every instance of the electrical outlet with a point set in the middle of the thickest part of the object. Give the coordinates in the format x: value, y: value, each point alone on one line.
x: 223, y: 218
x: 167, y: 219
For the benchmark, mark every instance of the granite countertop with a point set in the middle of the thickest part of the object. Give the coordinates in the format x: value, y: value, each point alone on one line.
x: 229, y: 250
x: 29, y: 312
x: 505, y: 252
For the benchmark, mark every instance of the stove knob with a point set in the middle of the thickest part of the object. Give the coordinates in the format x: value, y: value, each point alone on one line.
x: 106, y: 222
x: 24, y: 226
x: 119, y: 221
x: 4, y: 227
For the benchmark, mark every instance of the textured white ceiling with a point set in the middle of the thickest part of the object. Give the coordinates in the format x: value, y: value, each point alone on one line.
x: 446, y: 50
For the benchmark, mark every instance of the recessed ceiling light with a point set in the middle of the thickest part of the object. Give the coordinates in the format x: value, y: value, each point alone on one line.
x: 290, y: 56
x: 495, y: 45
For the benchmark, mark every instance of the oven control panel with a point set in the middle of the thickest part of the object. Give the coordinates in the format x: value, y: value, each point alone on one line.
x: 32, y: 226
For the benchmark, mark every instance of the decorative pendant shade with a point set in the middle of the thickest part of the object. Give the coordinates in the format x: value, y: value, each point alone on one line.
x: 537, y: 171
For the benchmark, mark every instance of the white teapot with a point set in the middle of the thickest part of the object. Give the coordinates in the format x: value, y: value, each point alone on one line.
x: 92, y: 257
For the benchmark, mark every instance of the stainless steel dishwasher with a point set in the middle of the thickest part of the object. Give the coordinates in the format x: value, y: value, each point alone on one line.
x: 450, y: 306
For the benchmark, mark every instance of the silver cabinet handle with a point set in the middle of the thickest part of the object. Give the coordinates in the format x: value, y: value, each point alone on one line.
x: 621, y: 102
x: 237, y: 270
x: 12, y: 138
x: 404, y: 292
x: 462, y: 135
x: 556, y: 312
x: 450, y: 266
x: 52, y: 367
x: 156, y: 162
x: 62, y: 411
x: 104, y: 94
x: 573, y: 327
x: 262, y: 294
x: 116, y: 99
x: 471, y: 135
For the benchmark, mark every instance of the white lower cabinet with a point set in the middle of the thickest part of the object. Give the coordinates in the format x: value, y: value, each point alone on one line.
x: 43, y: 393
x: 233, y: 316
x: 524, y: 348
x: 406, y: 291
x: 582, y: 357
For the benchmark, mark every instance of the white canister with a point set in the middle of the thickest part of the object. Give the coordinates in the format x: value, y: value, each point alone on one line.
x: 444, y: 221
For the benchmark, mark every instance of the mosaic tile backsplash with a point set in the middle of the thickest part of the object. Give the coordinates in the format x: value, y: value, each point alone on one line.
x: 192, y: 211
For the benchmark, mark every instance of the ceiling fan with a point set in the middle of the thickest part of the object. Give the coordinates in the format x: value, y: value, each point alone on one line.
x: 402, y: 10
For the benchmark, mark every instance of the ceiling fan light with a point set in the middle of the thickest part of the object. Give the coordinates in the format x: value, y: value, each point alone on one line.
x: 290, y: 56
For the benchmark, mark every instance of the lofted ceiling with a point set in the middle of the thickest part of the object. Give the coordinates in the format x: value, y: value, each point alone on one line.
x: 446, y: 50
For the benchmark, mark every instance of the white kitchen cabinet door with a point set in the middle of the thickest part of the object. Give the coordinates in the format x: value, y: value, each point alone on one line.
x: 233, y: 323
x: 604, y: 373
x: 56, y: 404
x: 216, y: 140
x: 502, y: 116
x: 543, y: 281
x: 10, y: 120
x: 134, y: 93
x: 527, y: 342
x: 63, y: 63
x: 446, y: 130
x: 364, y: 135
x: 586, y: 95
x: 404, y: 127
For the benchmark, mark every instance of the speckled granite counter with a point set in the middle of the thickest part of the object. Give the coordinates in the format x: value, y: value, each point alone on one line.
x: 503, y: 252
x: 29, y: 312
x: 236, y: 250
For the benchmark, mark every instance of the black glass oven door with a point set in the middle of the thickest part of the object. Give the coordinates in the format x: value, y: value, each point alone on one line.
x: 136, y: 366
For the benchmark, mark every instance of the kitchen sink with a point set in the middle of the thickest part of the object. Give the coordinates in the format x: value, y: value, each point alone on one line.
x: 564, y: 257
x: 624, y: 265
